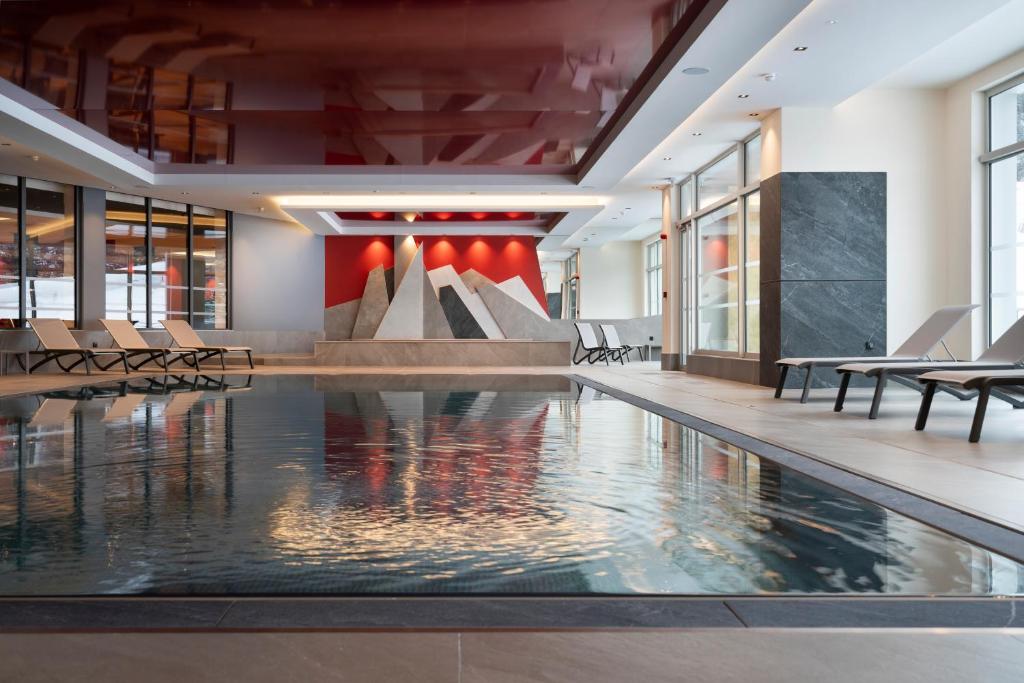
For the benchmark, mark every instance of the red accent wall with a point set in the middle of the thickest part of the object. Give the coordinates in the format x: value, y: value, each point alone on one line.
x: 349, y: 259
x: 347, y: 263
x: 498, y: 258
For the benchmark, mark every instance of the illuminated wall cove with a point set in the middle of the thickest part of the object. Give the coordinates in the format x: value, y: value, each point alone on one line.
x: 411, y: 287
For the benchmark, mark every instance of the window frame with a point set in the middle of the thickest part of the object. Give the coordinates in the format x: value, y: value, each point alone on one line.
x: 653, y: 273
x: 988, y: 160
x: 687, y: 224
x: 189, y: 256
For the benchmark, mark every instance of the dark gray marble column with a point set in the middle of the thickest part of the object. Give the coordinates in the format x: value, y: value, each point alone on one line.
x: 823, y: 268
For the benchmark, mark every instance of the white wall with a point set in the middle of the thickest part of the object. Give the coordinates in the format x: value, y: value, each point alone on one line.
x: 277, y: 276
x: 611, y: 281
x: 899, y: 132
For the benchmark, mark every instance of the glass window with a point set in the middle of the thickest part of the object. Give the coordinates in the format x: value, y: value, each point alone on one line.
x: 53, y: 75
x: 170, y: 89
x: 171, y: 137
x: 717, y: 286
x: 1006, y: 217
x: 752, y: 160
x: 210, y: 95
x: 128, y: 86
x: 718, y: 181
x: 572, y: 266
x: 1006, y: 112
x: 169, y: 261
x: 211, y: 141
x: 9, y: 261
x: 126, y: 258
x: 50, y: 251
x: 752, y: 271
x: 12, y: 56
x: 654, y: 274
x: 686, y: 198
x: 209, y: 269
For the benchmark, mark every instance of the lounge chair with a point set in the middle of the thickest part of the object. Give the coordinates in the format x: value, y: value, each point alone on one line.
x: 589, y: 349
x: 915, y: 348
x: 185, y: 337
x: 1004, y: 354
x: 128, y: 338
x: 986, y: 383
x: 57, y: 342
x: 613, y: 343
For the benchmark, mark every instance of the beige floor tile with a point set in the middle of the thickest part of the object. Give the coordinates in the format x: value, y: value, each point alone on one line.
x: 741, y: 656
x: 222, y: 657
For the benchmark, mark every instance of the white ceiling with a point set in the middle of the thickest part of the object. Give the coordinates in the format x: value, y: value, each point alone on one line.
x: 852, y: 45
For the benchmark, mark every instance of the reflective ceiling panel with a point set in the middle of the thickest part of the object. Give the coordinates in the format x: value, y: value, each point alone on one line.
x: 374, y: 82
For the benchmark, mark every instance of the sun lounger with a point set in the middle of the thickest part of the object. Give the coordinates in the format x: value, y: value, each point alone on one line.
x: 613, y: 343
x: 917, y: 347
x: 986, y: 383
x: 128, y: 338
x: 58, y: 343
x: 589, y: 349
x: 1004, y: 354
x: 184, y: 336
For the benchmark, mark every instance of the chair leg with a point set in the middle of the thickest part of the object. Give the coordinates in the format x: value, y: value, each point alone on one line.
x: 807, y: 384
x: 876, y: 400
x: 979, y: 413
x: 85, y: 359
x: 782, y: 381
x: 252, y: 366
x: 844, y: 384
x: 124, y: 359
x: 926, y: 406
x: 222, y: 368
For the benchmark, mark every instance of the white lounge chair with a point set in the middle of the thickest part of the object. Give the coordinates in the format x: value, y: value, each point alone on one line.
x: 589, y: 349
x: 985, y: 382
x: 128, y: 338
x: 1006, y: 353
x: 917, y: 347
x: 184, y: 336
x: 57, y: 343
x: 613, y: 343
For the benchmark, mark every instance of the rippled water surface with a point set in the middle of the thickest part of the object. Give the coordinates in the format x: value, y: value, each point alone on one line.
x: 427, y: 484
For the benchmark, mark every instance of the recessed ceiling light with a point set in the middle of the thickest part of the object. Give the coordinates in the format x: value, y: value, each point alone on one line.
x: 255, y: 194
x: 832, y: 22
x: 696, y: 135
x: 695, y: 71
x: 754, y: 114
x: 185, y: 193
x: 34, y: 157
x: 666, y: 158
x: 743, y: 97
x: 801, y: 48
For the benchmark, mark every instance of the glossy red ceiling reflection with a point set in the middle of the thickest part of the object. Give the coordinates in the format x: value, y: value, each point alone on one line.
x: 364, y: 82
x: 446, y: 216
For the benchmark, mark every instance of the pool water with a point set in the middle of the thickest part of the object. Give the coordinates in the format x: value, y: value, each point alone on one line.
x: 428, y: 484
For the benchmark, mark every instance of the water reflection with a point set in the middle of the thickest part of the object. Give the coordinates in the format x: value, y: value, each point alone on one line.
x: 368, y: 484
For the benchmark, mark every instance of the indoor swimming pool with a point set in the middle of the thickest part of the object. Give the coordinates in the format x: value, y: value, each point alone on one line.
x: 400, y: 485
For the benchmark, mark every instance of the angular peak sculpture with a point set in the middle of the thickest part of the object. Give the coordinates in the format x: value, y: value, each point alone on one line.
x: 373, y: 305
x: 415, y: 312
x: 468, y: 303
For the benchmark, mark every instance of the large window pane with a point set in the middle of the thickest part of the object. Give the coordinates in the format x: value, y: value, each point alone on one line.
x: 53, y: 75
x: 126, y: 258
x: 686, y: 198
x: 9, y: 261
x: 1007, y: 117
x: 717, y: 270
x: 209, y: 269
x: 169, y: 261
x: 50, y: 251
x: 752, y: 160
x: 653, y: 285
x: 1007, y: 239
x: 752, y: 272
x: 12, y: 56
x: 718, y: 181
x: 171, y: 137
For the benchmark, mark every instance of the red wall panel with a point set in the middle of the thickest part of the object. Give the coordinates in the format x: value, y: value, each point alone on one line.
x: 347, y: 263
x: 349, y: 259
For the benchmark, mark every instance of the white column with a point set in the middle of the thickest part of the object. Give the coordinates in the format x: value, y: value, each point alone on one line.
x: 671, y: 273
